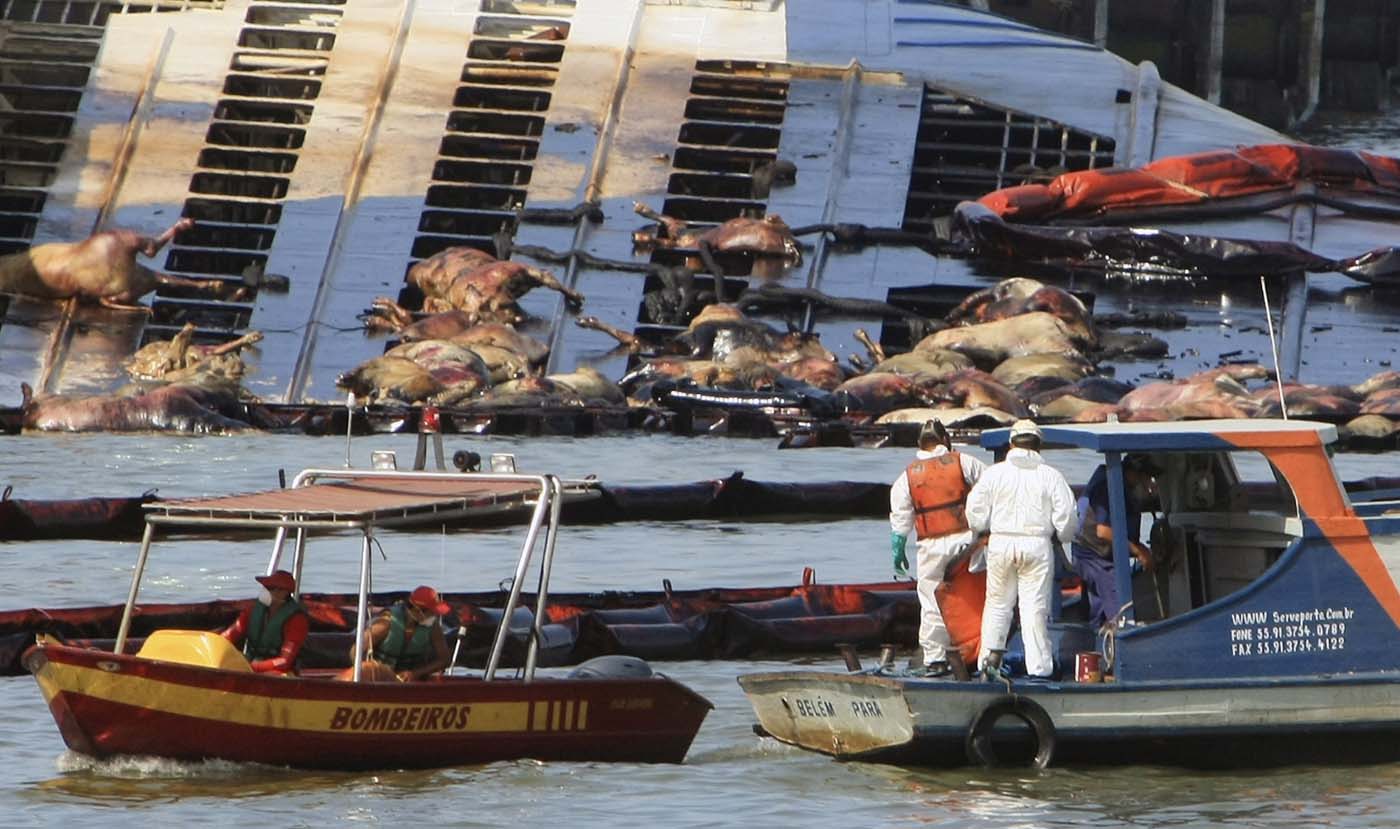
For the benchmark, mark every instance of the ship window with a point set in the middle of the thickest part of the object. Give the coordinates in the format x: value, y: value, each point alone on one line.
x: 1220, y: 520
x: 16, y: 227
x: 213, y: 321
x: 965, y: 149
x: 255, y: 86
x: 220, y: 159
x: 232, y: 210
x: 241, y: 237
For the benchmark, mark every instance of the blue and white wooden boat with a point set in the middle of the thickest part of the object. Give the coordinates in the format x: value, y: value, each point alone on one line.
x: 1273, y: 636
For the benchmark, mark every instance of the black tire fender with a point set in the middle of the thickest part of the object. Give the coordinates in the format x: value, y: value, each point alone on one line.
x: 978, y: 743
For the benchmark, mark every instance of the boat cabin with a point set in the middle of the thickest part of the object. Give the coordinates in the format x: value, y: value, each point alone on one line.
x: 1261, y: 564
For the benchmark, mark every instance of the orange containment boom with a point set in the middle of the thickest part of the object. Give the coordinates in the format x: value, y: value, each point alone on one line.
x: 1197, y: 179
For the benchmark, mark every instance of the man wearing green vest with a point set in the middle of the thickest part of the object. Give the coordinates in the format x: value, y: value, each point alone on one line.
x: 273, y: 628
x: 408, y: 637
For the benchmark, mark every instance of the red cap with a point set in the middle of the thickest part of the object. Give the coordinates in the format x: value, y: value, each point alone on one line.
x: 430, y: 421
x: 426, y: 598
x: 280, y: 579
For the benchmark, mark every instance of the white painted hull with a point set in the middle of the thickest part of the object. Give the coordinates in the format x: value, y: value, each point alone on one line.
x: 927, y: 721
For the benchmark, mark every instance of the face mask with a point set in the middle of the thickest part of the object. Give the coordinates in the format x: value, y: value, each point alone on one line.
x: 429, y: 621
x: 264, y: 597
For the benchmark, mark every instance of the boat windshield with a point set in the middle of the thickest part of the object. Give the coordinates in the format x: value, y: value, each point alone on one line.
x: 1210, y: 523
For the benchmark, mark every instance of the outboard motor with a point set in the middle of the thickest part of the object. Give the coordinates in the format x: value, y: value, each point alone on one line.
x: 613, y: 666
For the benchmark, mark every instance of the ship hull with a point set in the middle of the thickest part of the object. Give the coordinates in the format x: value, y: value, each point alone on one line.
x: 1223, y: 724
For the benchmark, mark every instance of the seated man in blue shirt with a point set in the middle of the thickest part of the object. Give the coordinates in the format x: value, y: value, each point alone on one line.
x: 1093, y: 544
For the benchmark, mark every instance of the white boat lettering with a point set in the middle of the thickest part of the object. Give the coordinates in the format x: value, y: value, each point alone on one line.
x: 814, y: 707
x: 866, y: 708
x: 1281, y: 633
x: 400, y: 718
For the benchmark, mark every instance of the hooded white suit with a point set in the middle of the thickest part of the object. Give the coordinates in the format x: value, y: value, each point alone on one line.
x: 1024, y: 503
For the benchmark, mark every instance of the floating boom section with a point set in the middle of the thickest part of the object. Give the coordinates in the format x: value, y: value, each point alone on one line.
x: 714, y: 623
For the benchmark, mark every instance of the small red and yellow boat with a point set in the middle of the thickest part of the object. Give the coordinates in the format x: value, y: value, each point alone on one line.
x: 191, y: 695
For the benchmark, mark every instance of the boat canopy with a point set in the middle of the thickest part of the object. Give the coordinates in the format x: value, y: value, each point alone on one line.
x: 327, y: 501
x: 1186, y: 436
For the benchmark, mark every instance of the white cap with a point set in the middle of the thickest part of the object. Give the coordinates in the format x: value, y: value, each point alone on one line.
x: 1024, y: 427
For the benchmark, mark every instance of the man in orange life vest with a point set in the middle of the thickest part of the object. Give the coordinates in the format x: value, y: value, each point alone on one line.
x: 273, y: 628
x: 928, y: 498
x: 408, y: 639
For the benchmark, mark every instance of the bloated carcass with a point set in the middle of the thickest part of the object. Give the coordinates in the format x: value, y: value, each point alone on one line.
x: 103, y: 268
x: 482, y: 287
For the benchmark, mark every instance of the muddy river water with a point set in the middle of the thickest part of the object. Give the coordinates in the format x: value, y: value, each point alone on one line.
x: 731, y: 776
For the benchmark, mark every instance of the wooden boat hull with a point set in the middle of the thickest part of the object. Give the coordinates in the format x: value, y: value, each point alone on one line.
x: 107, y: 704
x: 1203, y: 724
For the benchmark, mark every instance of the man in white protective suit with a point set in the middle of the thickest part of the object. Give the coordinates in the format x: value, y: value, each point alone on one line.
x: 1024, y: 503
x: 929, y: 497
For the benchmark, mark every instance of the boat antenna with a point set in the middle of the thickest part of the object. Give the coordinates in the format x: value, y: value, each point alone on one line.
x: 1273, y: 347
x: 350, y: 419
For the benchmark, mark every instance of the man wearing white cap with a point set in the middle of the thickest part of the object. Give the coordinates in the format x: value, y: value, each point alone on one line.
x: 928, y: 497
x: 1024, y: 503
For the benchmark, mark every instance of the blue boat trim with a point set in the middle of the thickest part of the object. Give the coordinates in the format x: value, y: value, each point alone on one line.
x: 997, y: 44
x: 971, y: 24
x: 1031, y: 689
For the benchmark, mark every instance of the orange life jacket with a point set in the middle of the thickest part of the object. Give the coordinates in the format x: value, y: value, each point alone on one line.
x: 938, y: 490
x: 961, y: 597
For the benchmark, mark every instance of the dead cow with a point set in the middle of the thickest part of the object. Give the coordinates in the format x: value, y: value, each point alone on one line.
x: 178, y: 359
x: 103, y: 268
x: 481, y: 286
x: 768, y: 236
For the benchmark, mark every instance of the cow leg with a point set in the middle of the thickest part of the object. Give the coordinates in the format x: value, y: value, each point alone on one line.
x: 872, y: 348
x: 707, y: 256
x: 572, y: 298
x: 115, y: 305
x: 151, y: 246
x: 593, y: 323
x: 211, y: 288
x: 672, y: 227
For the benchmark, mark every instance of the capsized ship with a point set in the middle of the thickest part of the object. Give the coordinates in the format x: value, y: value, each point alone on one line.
x: 1267, y: 634
x: 336, y: 143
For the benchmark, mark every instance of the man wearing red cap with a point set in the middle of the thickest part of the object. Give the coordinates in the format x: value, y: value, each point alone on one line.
x: 408, y: 637
x: 273, y: 628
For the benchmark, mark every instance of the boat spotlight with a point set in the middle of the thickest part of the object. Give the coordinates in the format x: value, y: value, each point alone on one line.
x: 503, y: 463
x: 383, y: 459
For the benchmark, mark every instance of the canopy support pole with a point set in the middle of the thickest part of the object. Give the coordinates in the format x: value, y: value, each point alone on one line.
x: 135, y: 586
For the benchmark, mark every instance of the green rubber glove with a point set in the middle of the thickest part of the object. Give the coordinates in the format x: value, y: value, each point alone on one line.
x: 901, y: 563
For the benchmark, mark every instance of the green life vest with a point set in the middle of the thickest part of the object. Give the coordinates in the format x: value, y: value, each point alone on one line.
x: 401, y: 654
x: 264, y: 639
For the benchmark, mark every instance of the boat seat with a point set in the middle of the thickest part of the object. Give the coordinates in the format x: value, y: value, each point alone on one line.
x: 194, y: 647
